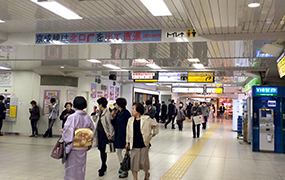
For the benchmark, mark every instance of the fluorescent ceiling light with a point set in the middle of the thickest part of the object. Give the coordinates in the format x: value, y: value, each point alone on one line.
x: 194, y: 60
x: 4, y: 68
x: 1, y: 21
x: 198, y: 66
x: 93, y: 61
x: 153, y: 66
x: 111, y: 66
x: 58, y: 9
x: 157, y: 7
x: 253, y: 5
x: 141, y: 60
x: 61, y: 67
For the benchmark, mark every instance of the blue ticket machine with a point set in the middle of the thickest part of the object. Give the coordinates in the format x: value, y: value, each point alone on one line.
x: 266, y: 120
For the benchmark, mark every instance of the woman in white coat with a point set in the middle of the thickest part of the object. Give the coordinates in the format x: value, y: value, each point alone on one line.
x: 139, y: 134
x: 104, y: 131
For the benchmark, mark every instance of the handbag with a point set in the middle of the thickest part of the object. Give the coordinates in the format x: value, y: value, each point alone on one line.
x: 198, y: 119
x: 110, y: 147
x: 126, y: 164
x: 57, y: 151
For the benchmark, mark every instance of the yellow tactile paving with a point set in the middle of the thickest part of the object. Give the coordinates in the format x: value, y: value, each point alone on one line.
x: 177, y: 171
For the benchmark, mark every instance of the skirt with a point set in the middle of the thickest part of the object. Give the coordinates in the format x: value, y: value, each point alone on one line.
x: 139, y: 159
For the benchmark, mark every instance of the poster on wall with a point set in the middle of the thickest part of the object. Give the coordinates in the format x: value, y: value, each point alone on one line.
x: 117, y: 92
x: 53, y: 52
x: 70, y: 96
x: 48, y: 94
x: 93, y: 91
x: 5, y: 79
x: 107, y: 92
x: 100, y: 94
x: 112, y: 93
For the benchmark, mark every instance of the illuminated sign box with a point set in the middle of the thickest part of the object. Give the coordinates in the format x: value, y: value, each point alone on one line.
x: 188, y: 90
x: 214, y: 90
x: 266, y: 91
x: 219, y: 90
x: 281, y: 65
x: 172, y: 77
x: 201, y: 77
x: 144, y: 76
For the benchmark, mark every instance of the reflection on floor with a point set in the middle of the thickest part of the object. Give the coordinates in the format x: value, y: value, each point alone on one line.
x: 222, y: 157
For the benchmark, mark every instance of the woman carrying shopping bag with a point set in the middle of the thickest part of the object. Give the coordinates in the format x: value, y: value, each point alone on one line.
x: 196, y: 111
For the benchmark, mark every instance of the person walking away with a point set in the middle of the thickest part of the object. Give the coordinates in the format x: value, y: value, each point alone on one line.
x: 171, y: 114
x: 205, y: 113
x: 163, y: 111
x: 181, y: 116
x: 53, y: 115
x: 68, y: 111
x: 222, y: 111
x: 158, y: 106
x: 213, y: 110
x: 150, y: 111
x: 196, y: 111
x: 34, y: 117
x: 120, y: 122
x: 75, y: 165
x: 189, y: 108
x: 104, y: 132
x: 140, y: 130
x: 2, y: 113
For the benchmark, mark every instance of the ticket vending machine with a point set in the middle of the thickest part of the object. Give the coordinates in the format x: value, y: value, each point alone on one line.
x: 266, y: 129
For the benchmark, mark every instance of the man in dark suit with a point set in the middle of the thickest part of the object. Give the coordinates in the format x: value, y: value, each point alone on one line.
x: 189, y: 108
x: 163, y: 111
x: 150, y: 110
x: 158, y: 106
x: 2, y: 112
x: 171, y: 114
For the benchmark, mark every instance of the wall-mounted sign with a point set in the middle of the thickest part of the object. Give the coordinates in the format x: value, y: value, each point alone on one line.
x: 281, y: 65
x: 172, y: 76
x: 98, y: 37
x: 187, y: 90
x: 207, y: 77
x: 189, y: 33
x: 144, y: 76
x: 219, y: 90
x: 266, y: 91
x: 253, y: 82
x: 271, y: 103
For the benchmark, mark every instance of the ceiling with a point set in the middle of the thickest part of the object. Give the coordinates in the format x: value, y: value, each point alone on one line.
x: 217, y: 20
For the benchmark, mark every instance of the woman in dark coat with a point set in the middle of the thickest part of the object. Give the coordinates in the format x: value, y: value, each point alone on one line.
x: 120, y: 122
x: 68, y: 111
x: 34, y: 117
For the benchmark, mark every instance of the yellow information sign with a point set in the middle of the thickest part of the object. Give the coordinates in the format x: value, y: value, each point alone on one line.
x: 207, y: 77
x: 191, y: 33
x: 13, y: 111
x: 145, y: 80
x: 219, y: 85
x: 219, y: 90
x: 281, y: 67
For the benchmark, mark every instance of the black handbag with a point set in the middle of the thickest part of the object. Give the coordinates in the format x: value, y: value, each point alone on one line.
x: 126, y: 164
x: 57, y: 151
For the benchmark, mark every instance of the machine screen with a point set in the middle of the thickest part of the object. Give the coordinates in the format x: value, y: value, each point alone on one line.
x: 266, y: 113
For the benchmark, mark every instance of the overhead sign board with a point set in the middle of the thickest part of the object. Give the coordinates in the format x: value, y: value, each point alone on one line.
x: 214, y: 90
x: 266, y: 91
x: 253, y: 82
x: 144, y: 76
x: 187, y: 90
x: 281, y: 65
x: 201, y: 77
x: 219, y: 90
x: 172, y: 77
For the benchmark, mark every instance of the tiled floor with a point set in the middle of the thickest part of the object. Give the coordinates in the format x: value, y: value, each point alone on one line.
x: 223, y: 157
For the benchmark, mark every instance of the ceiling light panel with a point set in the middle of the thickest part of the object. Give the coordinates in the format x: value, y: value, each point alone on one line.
x: 199, y: 66
x: 153, y: 66
x: 157, y: 7
x: 1, y: 21
x: 93, y: 61
x: 111, y: 66
x: 194, y: 60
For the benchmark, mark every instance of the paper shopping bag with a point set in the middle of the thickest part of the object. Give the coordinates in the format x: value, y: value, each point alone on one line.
x: 198, y: 119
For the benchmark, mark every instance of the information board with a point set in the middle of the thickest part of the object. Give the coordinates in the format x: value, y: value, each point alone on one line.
x: 172, y: 77
x: 201, y: 77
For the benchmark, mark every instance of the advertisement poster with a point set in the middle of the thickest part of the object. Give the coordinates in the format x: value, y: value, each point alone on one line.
x: 100, y: 94
x: 48, y: 94
x: 107, y: 92
x: 117, y: 92
x: 5, y: 79
x: 70, y: 96
x: 93, y: 91
x: 112, y: 93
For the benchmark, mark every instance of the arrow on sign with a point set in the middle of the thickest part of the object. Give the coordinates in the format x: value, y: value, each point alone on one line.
x: 208, y: 78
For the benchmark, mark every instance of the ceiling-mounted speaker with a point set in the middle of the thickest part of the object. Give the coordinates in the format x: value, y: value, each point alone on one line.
x: 112, y: 77
x: 99, y: 81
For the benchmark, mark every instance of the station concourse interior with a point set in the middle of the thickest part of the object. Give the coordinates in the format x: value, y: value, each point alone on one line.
x: 227, y: 53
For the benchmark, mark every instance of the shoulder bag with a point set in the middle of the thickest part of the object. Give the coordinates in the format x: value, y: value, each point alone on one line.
x: 57, y: 151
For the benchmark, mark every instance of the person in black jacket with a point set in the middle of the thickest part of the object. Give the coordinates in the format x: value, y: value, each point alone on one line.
x: 120, y: 122
x: 68, y: 111
x: 189, y: 108
x: 150, y: 110
x: 158, y: 106
x: 196, y: 111
x: 222, y: 111
x: 2, y: 112
x: 34, y: 117
x: 163, y: 111
x: 171, y: 114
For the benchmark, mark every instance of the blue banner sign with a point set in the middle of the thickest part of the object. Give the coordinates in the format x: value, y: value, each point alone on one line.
x: 98, y: 37
x: 270, y: 91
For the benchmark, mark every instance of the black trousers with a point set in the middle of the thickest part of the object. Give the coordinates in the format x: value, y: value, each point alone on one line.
x: 1, y: 124
x: 180, y: 124
x: 103, y: 155
x: 205, y: 123
x: 170, y: 119
x: 157, y: 117
x: 34, y: 127
x: 49, y: 130
x: 194, y: 129
x: 163, y: 117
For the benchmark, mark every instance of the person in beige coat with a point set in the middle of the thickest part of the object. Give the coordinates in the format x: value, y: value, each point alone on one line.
x: 140, y: 130
x: 104, y: 131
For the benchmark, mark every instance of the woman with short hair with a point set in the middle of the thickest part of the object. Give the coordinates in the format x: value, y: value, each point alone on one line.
x: 120, y: 122
x: 104, y: 132
x: 34, y: 117
x: 68, y: 111
x: 78, y: 132
x: 139, y: 134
